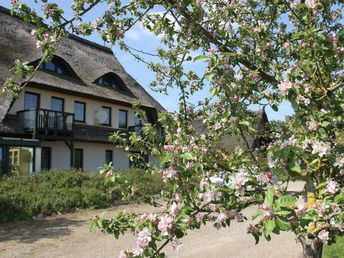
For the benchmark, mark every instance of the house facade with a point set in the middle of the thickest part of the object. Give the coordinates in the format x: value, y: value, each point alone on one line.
x: 64, y: 115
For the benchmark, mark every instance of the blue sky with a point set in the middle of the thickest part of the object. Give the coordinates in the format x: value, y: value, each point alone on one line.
x: 142, y: 39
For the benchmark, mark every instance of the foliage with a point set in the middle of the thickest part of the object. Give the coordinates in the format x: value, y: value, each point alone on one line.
x: 66, y: 190
x: 258, y: 52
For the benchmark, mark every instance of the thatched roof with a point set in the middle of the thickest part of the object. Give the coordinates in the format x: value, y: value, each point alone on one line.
x: 87, y: 59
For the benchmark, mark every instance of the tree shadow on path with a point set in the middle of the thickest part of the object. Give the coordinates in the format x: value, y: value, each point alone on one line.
x: 34, y: 230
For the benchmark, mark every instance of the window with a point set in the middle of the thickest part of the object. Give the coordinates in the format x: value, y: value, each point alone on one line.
x: 57, y: 104
x: 78, y: 158
x: 108, y: 156
x: 112, y: 81
x: 107, y: 110
x: 79, y: 111
x: 31, y: 100
x: 56, y: 66
x: 123, y: 118
x: 46, y: 158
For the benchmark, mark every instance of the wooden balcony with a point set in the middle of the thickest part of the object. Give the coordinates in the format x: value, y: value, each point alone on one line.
x: 47, y: 122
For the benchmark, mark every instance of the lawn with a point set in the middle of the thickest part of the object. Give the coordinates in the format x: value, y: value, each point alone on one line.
x: 336, y: 250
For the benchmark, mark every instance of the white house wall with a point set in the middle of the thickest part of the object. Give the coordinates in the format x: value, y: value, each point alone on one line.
x: 94, y: 155
x: 91, y: 105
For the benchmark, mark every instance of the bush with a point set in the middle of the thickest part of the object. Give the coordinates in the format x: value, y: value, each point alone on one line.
x: 64, y: 190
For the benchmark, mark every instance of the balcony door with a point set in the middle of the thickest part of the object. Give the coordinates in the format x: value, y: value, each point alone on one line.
x: 56, y: 118
x: 31, y: 101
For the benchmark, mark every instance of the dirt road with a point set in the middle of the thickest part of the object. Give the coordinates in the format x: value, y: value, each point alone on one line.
x: 68, y: 236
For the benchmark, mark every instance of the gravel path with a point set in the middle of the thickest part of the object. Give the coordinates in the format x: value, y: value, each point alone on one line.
x: 68, y: 236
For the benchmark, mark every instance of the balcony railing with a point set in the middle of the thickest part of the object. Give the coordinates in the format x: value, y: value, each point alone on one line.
x: 44, y: 121
x: 138, y: 129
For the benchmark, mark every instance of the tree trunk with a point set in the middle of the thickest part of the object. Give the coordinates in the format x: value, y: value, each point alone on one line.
x: 312, y: 248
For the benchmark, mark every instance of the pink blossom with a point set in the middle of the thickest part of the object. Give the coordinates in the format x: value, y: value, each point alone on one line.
x: 221, y: 218
x: 239, y: 180
x: 210, y: 196
x: 264, y: 207
x: 212, y: 207
x: 170, y: 147
x: 165, y: 224
x: 286, y: 44
x: 312, y: 125
x: 173, y: 209
x: 142, y: 217
x: 301, y: 208
x: 332, y: 187
x: 143, y: 238
x: 46, y: 37
x: 33, y: 33
x: 177, y: 197
x: 311, y: 3
x: 152, y: 217
x: 169, y: 174
x: 321, y: 148
x: 261, y: 178
x: 38, y: 44
x: 109, y: 174
x: 285, y: 86
x: 268, y: 214
x: 176, y: 244
x: 324, y: 236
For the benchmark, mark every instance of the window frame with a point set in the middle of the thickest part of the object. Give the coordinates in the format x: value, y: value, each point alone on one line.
x: 109, y: 115
x: 126, y: 118
x: 106, y: 153
x: 82, y: 158
x: 84, y: 116
x: 32, y: 93
x: 58, y: 98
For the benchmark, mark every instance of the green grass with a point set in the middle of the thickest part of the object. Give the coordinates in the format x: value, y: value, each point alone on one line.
x: 335, y: 250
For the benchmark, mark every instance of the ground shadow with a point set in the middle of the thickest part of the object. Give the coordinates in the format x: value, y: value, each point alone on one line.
x: 34, y: 230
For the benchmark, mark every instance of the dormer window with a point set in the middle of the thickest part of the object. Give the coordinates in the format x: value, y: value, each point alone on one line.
x: 55, y: 66
x: 111, y: 81
x: 58, y: 66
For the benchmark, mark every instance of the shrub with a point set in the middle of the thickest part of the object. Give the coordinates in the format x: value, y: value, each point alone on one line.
x: 64, y: 190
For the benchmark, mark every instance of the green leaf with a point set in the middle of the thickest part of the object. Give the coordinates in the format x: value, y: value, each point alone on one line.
x: 340, y: 197
x: 201, y: 57
x: 187, y: 156
x: 283, y: 224
x: 269, y: 197
x: 282, y: 213
x: 294, y: 167
x: 258, y: 213
x: 164, y: 159
x: 269, y: 225
x: 286, y: 201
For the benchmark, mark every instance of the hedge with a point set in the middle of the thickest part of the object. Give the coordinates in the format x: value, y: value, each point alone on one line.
x: 65, y: 190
